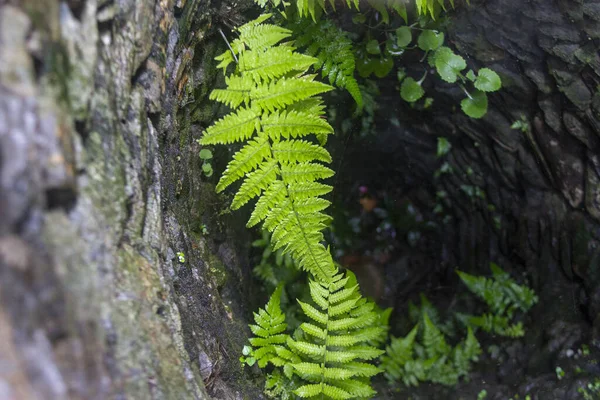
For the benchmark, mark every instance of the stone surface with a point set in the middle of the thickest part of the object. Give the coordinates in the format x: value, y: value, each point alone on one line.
x: 99, y: 175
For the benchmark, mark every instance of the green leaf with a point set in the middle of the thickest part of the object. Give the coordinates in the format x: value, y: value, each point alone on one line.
x: 471, y: 75
x: 403, y: 36
x: 488, y: 80
x: 411, y: 90
x: 443, y: 146
x: 365, y: 66
x: 400, y: 7
x: 206, y: 154
x: 476, y: 106
x: 430, y: 40
x: 448, y: 64
x: 207, y: 169
x: 373, y: 47
x: 383, y: 67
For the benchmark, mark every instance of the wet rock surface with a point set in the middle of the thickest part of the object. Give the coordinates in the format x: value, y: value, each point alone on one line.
x: 119, y: 277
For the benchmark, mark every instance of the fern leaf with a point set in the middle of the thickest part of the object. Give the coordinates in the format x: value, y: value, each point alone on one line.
x: 297, y: 151
x: 285, y: 91
x: 262, y: 36
x: 238, y: 91
x: 274, y: 62
x: 305, y: 190
x: 273, y: 196
x: 314, y: 314
x: 433, y: 339
x: 270, y: 323
x: 293, y: 124
x: 280, y: 104
x: 244, y: 161
x: 334, y: 52
x: 231, y: 128
x: 313, y: 330
x: 305, y: 172
x: 255, y: 183
x: 356, y: 388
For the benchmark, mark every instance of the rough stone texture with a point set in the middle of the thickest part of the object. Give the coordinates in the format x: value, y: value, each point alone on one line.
x: 539, y: 208
x: 100, y: 189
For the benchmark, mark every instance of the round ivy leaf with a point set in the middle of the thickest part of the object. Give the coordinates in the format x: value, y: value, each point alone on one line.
x: 207, y: 169
x: 430, y: 40
x: 448, y: 64
x: 476, y: 106
x: 410, y: 90
x: 403, y: 36
x: 206, y: 154
x: 373, y: 47
x: 383, y: 67
x: 487, y: 80
x: 364, y: 66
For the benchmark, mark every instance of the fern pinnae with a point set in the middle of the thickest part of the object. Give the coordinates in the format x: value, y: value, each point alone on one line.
x: 276, y: 107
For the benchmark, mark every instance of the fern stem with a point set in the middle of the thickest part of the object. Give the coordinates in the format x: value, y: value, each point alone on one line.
x: 228, y: 45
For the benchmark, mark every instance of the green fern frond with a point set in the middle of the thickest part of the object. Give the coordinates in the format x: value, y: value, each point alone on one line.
x: 237, y: 92
x: 244, y: 161
x: 281, y: 172
x: 273, y: 62
x: 285, y: 91
x: 254, y: 184
x: 292, y: 123
x: 465, y: 353
x: 334, y: 54
x: 500, y: 293
x: 433, y: 339
x: 258, y: 36
x: 278, y: 108
x: 269, y: 328
x: 338, y: 341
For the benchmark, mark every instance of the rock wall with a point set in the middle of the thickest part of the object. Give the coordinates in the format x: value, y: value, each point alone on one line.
x: 120, y: 274
x: 526, y: 198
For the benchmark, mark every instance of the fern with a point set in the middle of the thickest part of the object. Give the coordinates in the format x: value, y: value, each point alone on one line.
x: 327, y: 356
x: 430, y: 359
x: 503, y: 296
x: 276, y: 110
x: 334, y: 52
x: 276, y: 105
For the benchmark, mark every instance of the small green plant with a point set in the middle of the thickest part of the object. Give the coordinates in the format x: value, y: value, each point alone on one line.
x: 326, y: 355
x: 504, y: 297
x: 206, y: 155
x: 449, y: 66
x: 430, y: 358
x: 521, y: 124
x: 181, y: 257
x: 482, y: 395
x: 425, y: 355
